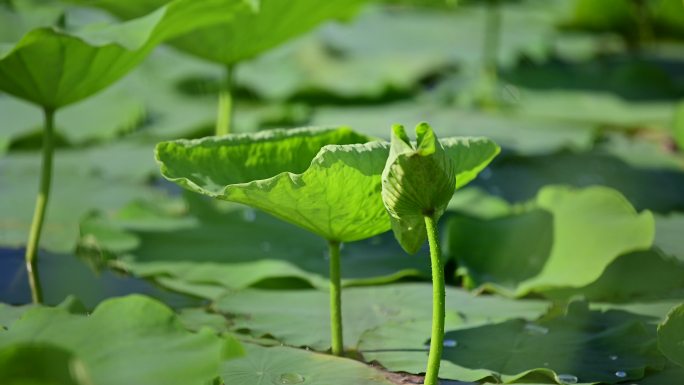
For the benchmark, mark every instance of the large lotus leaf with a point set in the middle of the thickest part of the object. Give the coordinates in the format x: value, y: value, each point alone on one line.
x: 283, y: 365
x: 512, y: 133
x: 671, y: 335
x: 53, y: 68
x: 243, y: 169
x: 565, y: 239
x: 590, y: 346
x: 76, y: 175
x: 129, y: 340
x: 41, y: 364
x: 275, y: 22
x: 300, y: 318
x: 188, y: 252
x: 337, y: 197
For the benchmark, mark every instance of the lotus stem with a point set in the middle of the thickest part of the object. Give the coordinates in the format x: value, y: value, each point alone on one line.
x: 335, y: 300
x: 438, y: 304
x: 490, y: 51
x: 41, y: 204
x: 224, y: 120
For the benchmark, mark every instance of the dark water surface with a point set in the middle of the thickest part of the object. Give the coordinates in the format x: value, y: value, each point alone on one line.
x: 63, y: 275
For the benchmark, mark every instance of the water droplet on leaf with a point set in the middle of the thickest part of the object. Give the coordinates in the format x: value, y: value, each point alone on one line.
x: 450, y: 343
x: 613, y: 357
x: 567, y: 379
x: 620, y: 374
x: 289, y: 378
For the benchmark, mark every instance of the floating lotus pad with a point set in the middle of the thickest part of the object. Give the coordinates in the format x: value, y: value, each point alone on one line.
x: 591, y: 346
x: 300, y: 317
x: 283, y: 365
x: 149, y: 342
x: 566, y: 238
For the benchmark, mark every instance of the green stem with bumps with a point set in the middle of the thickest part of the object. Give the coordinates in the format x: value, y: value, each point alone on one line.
x: 438, y: 304
x: 41, y: 205
x: 335, y: 300
x: 224, y: 120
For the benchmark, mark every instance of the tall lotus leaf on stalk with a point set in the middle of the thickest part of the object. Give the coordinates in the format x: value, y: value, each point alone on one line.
x: 418, y: 182
x: 53, y: 67
x: 325, y: 180
x: 243, y: 37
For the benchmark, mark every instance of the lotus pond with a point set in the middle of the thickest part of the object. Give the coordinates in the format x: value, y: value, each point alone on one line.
x: 348, y: 192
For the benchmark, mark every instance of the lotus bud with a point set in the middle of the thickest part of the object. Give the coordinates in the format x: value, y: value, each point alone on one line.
x: 419, y: 179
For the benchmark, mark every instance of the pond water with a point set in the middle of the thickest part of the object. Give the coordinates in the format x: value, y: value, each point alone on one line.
x: 62, y: 275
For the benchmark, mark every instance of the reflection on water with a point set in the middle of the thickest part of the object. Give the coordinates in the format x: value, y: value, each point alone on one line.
x: 64, y: 275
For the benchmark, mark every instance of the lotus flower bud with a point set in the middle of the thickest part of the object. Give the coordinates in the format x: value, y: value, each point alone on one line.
x: 419, y: 179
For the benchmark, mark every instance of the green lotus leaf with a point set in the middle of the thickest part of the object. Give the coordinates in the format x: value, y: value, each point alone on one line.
x: 671, y: 335
x: 52, y: 67
x: 323, y: 180
x: 41, y: 364
x: 300, y: 317
x: 128, y: 340
x: 589, y: 346
x: 566, y: 238
x: 245, y: 37
x: 418, y: 180
x: 332, y: 191
x: 284, y: 365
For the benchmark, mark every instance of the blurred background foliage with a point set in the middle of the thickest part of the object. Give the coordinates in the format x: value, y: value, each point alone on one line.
x: 586, y: 98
